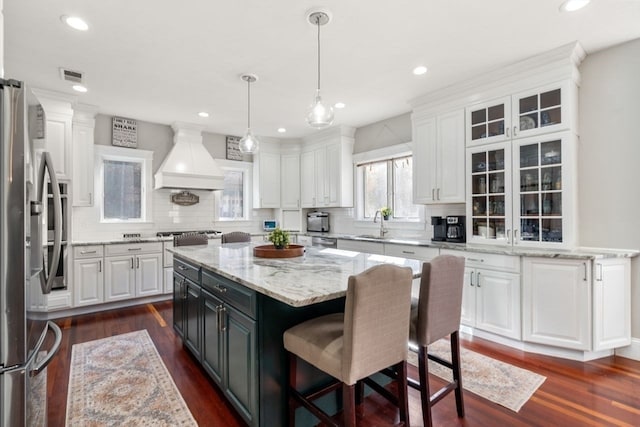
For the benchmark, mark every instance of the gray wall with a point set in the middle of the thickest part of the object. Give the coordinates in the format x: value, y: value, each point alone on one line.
x: 609, y: 156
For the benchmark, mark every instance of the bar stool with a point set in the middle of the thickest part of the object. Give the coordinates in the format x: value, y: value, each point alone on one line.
x: 371, y: 335
x: 434, y: 315
x: 236, y: 237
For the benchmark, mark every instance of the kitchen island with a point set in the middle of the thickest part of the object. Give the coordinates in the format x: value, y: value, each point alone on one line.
x: 231, y: 309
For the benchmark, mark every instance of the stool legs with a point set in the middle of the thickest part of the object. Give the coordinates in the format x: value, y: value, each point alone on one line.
x: 457, y: 377
x: 425, y: 394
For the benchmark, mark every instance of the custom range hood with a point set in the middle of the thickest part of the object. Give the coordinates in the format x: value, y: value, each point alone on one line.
x: 189, y: 165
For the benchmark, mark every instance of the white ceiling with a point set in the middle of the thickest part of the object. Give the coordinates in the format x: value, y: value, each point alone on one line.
x: 164, y: 61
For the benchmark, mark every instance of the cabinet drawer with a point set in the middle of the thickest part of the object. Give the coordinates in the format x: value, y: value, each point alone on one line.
x: 132, y: 248
x: 93, y: 251
x: 410, y: 251
x: 189, y: 271
x: 240, y: 297
x: 491, y: 261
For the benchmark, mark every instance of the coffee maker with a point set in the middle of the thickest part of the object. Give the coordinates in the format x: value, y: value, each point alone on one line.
x: 456, y: 229
x: 439, y: 229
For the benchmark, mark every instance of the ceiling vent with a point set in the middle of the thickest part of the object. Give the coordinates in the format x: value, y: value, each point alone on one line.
x: 71, y: 76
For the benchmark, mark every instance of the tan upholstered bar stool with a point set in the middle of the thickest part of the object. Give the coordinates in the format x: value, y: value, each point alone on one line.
x: 367, y: 338
x: 434, y: 315
x: 236, y: 237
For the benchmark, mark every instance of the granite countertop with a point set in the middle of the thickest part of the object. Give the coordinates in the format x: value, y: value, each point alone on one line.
x: 321, y: 274
x: 119, y: 240
x: 576, y: 253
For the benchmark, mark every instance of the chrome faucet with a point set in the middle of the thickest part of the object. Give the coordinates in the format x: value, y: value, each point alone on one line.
x: 383, y: 230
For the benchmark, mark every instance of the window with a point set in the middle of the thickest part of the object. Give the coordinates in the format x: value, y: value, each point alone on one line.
x: 124, y: 178
x: 384, y: 177
x: 233, y: 200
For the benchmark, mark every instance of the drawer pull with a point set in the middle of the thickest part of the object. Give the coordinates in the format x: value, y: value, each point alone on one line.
x: 409, y: 252
x: 182, y: 268
x: 476, y: 259
x: 88, y: 252
x: 220, y: 289
x: 134, y: 249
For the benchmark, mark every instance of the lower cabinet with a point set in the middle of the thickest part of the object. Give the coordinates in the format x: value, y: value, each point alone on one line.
x: 132, y: 270
x: 179, y: 289
x: 193, y: 317
x: 89, y: 280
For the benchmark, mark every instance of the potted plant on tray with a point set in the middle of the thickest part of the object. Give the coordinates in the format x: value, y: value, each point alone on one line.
x: 279, y: 238
x: 385, y: 212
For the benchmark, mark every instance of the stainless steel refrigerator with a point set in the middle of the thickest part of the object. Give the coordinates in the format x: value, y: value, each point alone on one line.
x: 25, y: 277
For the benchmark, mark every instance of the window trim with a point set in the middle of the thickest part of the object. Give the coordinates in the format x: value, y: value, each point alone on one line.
x: 378, y: 155
x: 145, y: 157
x: 247, y: 169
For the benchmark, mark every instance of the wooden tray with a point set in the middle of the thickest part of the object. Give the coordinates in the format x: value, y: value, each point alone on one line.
x: 270, y: 251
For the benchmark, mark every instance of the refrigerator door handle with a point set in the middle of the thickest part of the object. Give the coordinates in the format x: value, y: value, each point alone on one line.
x: 52, y: 352
x: 47, y: 277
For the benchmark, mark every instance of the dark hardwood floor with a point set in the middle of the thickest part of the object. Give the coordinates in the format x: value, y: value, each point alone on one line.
x: 602, y: 392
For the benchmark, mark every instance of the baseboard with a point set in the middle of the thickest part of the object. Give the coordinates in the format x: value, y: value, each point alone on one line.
x: 108, y: 306
x: 631, y: 351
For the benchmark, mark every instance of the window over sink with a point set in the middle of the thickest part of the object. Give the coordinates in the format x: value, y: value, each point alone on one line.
x: 233, y: 202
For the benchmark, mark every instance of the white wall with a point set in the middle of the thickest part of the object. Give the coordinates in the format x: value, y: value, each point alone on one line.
x: 1, y: 39
x: 609, y: 156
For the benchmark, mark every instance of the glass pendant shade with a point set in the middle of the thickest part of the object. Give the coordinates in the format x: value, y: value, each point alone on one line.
x: 320, y: 116
x: 249, y: 143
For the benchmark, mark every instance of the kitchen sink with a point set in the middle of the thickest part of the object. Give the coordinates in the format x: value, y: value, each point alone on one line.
x: 369, y: 237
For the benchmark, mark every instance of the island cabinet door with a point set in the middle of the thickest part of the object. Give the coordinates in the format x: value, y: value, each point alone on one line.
x: 241, y: 373
x: 179, y: 287
x: 212, y: 337
x: 192, y: 318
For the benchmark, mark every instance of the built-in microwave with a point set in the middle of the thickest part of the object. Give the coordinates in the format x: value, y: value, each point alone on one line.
x: 318, y: 222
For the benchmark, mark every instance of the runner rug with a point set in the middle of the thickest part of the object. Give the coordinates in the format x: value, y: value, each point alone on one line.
x: 121, y: 381
x: 499, y: 382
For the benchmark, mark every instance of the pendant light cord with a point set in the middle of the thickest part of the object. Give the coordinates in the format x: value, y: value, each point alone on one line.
x: 249, y: 103
x: 318, y: 24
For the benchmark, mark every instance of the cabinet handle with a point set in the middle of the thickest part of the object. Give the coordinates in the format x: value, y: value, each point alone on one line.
x: 438, y: 193
x: 87, y: 252
x: 515, y: 130
x: 508, y: 236
x: 476, y: 259
x: 471, y: 278
x: 100, y: 266
x: 137, y: 262
x: 134, y: 249
x: 184, y: 289
x: 223, y: 323
x: 182, y: 268
x: 515, y: 236
x: 585, y: 271
x: 91, y: 198
x: 132, y: 263
x: 507, y: 134
x: 478, y: 279
x: 599, y: 267
x: 433, y: 194
x: 409, y: 252
x: 220, y: 289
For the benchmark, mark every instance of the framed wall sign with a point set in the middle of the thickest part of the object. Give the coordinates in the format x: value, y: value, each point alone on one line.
x: 125, y: 132
x: 233, y: 148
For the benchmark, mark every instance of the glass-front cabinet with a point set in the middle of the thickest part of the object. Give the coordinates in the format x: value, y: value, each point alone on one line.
x: 521, y: 192
x: 489, y: 121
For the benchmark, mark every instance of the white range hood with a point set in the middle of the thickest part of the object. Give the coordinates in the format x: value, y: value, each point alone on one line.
x: 189, y: 165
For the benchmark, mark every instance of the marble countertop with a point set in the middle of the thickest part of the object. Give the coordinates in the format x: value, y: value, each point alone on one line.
x: 321, y: 274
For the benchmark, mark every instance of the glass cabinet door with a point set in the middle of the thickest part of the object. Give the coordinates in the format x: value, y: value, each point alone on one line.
x: 539, y: 190
x: 540, y: 111
x: 488, y: 122
x: 490, y: 204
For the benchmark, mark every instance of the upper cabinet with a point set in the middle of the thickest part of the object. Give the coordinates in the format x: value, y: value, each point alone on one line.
x: 266, y: 177
x: 327, y: 169
x: 58, y: 129
x: 83, y: 164
x: 545, y: 109
x: 438, y: 158
x: 290, y: 181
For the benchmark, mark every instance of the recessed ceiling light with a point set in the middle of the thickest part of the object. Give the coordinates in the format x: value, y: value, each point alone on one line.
x: 418, y: 71
x: 340, y: 105
x: 282, y: 130
x: 203, y: 114
x: 75, y: 22
x: 79, y: 88
x: 573, y: 5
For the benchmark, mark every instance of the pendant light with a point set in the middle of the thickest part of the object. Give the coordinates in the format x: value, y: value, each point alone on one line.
x: 249, y: 143
x: 320, y: 115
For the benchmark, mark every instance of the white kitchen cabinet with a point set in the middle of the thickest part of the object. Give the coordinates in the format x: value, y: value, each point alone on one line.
x: 88, y: 276
x: 329, y: 182
x: 491, y: 293
x: 308, y: 179
x: 133, y: 270
x: 167, y: 263
x: 422, y: 253
x: 544, y: 109
x: 556, y: 302
x: 438, y: 158
x: 83, y: 164
x: 266, y: 179
x: 58, y: 129
x: 611, y: 303
x: 290, y: 181
x: 522, y: 192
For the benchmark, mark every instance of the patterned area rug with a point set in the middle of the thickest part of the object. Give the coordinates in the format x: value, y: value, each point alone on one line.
x: 499, y: 382
x: 121, y: 381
